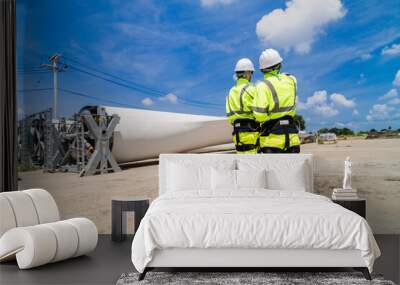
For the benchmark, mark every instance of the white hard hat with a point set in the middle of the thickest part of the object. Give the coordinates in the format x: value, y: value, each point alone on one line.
x: 269, y: 57
x: 244, y: 64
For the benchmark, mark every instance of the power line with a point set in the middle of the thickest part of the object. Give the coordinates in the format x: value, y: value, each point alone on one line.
x: 135, y: 86
x: 34, y: 89
x: 109, y: 78
x: 28, y: 69
x: 149, y: 92
x: 113, y: 81
x: 116, y: 77
x: 96, y: 98
x: 33, y: 72
x: 78, y: 94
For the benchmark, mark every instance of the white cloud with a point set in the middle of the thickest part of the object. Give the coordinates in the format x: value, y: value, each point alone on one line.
x: 147, y: 101
x: 381, y: 112
x: 366, y: 56
x: 319, y: 97
x: 395, y: 101
x: 340, y: 100
x: 350, y: 125
x: 390, y: 94
x: 168, y: 38
x: 210, y: 3
x: 318, y: 103
x: 300, y: 105
x: 393, y: 50
x: 355, y: 112
x: 170, y: 97
x: 326, y: 110
x: 298, y: 26
x: 396, y: 81
x: 342, y: 53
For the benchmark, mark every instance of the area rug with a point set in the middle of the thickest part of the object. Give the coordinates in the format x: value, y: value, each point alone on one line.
x: 244, y: 278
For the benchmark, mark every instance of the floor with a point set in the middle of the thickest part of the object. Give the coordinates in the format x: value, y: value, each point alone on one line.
x: 103, y: 266
x: 110, y: 260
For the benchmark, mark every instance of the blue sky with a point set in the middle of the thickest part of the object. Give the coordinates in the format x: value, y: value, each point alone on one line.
x: 179, y: 56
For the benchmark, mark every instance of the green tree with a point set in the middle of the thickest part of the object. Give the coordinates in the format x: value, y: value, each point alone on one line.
x: 300, y: 122
x: 341, y: 131
x: 323, y: 131
x: 347, y: 132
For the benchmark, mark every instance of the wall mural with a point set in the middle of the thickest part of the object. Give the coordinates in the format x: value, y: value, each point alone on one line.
x: 104, y: 87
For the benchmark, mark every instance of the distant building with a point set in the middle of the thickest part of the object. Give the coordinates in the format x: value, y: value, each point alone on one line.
x: 383, y: 134
x: 306, y: 137
x: 327, y: 138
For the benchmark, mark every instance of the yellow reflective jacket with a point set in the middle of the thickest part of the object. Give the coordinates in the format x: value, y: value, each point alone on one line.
x: 276, y: 97
x: 239, y: 101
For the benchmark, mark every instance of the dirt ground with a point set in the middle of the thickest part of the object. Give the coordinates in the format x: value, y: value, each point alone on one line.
x: 376, y: 175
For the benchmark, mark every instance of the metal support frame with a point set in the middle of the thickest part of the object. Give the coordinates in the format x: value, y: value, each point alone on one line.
x: 74, y: 158
x: 53, y: 145
x: 81, y: 144
x: 102, y: 160
x: 32, y: 139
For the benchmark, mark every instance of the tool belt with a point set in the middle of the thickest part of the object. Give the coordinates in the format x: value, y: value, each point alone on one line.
x: 282, y: 126
x: 244, y: 125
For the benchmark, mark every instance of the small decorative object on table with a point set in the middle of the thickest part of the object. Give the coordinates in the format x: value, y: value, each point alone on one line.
x: 347, y: 192
x: 347, y: 196
x: 121, y: 205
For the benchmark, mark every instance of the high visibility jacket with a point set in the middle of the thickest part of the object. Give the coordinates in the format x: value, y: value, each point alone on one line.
x: 276, y: 98
x: 239, y: 101
x: 238, y: 108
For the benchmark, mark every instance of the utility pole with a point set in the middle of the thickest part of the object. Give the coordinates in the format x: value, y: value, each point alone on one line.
x: 55, y: 67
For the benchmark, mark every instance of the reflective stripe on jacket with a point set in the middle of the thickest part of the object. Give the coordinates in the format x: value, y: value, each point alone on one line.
x: 239, y: 101
x: 276, y: 97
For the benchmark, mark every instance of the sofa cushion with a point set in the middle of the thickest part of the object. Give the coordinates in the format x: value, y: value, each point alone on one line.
x: 7, y: 220
x: 46, y: 207
x: 32, y: 246
x: 23, y: 208
x: 41, y: 244
x: 67, y: 239
x: 87, y: 235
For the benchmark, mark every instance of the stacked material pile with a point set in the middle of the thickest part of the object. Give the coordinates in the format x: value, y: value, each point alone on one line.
x: 344, y: 194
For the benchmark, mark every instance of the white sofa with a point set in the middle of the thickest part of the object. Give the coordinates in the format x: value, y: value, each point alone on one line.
x: 31, y: 230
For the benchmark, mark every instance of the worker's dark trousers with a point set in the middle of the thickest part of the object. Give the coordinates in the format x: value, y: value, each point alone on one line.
x: 293, y: 149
